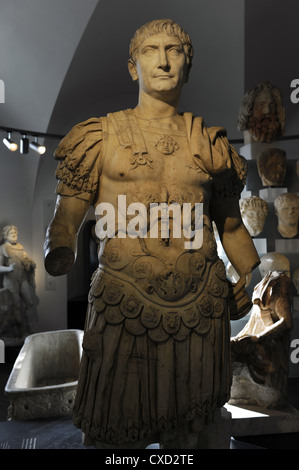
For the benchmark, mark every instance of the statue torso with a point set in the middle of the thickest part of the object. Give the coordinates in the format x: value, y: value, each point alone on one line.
x: 166, y: 172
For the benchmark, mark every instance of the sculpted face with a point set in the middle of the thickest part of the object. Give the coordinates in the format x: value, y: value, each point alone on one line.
x: 254, y: 220
x: 288, y: 213
x: 12, y: 236
x: 263, y: 123
x: 161, y: 65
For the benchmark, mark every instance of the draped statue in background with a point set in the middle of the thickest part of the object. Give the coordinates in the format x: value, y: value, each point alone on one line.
x: 19, y: 280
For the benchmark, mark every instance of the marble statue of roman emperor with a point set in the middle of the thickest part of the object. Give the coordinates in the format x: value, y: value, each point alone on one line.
x: 156, y: 349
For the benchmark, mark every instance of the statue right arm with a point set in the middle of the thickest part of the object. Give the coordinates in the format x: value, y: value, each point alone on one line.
x: 78, y: 176
x: 60, y: 247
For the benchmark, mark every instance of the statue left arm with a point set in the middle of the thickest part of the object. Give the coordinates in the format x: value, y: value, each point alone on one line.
x: 235, y: 238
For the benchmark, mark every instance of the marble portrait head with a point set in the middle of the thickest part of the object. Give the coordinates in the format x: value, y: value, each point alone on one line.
x: 254, y: 211
x: 10, y: 234
x: 287, y: 210
x: 262, y: 114
x: 272, y: 167
x: 160, y: 27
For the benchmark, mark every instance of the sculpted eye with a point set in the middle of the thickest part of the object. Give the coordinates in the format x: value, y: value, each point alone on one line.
x: 148, y: 51
x: 174, y: 51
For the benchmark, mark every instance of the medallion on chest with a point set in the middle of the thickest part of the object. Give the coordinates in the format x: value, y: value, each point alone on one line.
x: 165, y: 144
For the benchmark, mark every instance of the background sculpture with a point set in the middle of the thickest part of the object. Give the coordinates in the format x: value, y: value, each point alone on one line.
x: 287, y: 210
x: 274, y: 261
x: 260, y: 352
x: 272, y: 167
x: 19, y: 280
x: 262, y: 114
x: 156, y: 360
x: 254, y: 211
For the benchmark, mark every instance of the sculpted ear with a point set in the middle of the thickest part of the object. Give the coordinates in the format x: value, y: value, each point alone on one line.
x: 132, y: 69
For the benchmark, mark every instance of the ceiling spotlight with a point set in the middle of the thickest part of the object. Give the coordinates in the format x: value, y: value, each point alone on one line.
x: 24, y: 145
x: 9, y: 143
x: 37, y: 147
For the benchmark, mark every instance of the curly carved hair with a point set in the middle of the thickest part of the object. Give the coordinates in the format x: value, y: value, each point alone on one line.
x: 286, y: 198
x: 248, y: 104
x: 253, y: 202
x: 7, y: 229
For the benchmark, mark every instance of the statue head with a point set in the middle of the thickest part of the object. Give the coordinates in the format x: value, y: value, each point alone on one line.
x: 262, y: 113
x: 254, y: 211
x: 10, y: 234
x: 148, y: 60
x: 287, y: 210
x: 272, y: 166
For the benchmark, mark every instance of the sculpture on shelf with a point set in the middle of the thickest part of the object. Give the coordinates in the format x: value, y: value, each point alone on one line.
x: 156, y: 359
x: 254, y: 211
x: 19, y: 279
x: 260, y: 352
x: 272, y: 167
x: 262, y: 114
x: 274, y: 261
x: 287, y: 210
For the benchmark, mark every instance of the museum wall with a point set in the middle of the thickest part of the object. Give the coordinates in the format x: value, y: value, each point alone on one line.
x: 36, y: 48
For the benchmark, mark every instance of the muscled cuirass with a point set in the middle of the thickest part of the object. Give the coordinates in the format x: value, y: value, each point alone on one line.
x: 143, y: 280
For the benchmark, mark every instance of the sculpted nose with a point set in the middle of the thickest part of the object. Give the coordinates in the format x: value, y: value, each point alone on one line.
x: 163, y: 59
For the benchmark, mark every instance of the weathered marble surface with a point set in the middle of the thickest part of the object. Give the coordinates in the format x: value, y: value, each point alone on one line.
x: 44, y: 377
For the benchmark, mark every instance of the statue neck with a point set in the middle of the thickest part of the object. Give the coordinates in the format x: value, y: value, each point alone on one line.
x: 150, y: 107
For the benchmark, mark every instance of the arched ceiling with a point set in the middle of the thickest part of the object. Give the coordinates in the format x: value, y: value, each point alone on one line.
x: 63, y: 61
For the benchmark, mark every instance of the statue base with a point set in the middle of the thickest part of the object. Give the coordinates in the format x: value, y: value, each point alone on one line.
x: 248, y: 420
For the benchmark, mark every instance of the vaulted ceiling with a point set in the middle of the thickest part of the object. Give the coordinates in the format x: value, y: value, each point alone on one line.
x: 63, y: 61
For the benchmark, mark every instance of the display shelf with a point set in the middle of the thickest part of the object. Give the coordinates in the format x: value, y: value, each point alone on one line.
x: 260, y: 245
x: 270, y: 194
x: 252, y: 151
x: 270, y: 240
x: 287, y: 245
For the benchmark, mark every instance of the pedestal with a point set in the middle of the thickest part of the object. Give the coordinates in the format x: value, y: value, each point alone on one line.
x: 260, y: 245
x: 255, y: 421
x: 270, y: 194
x: 287, y: 246
x: 253, y: 150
